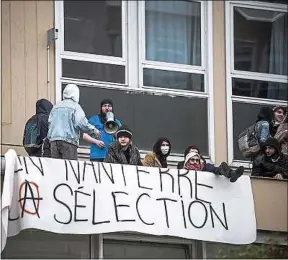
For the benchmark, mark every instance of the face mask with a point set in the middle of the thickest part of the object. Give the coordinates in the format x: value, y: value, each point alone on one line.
x: 164, y: 149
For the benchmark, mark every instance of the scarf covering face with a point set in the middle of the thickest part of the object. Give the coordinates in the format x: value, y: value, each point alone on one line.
x: 192, y: 166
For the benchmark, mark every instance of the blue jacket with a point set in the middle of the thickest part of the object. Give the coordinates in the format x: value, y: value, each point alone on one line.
x: 263, y: 131
x: 95, y: 151
x: 67, y: 118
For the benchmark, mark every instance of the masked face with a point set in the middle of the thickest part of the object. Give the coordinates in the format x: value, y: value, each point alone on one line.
x: 165, y: 148
x: 193, y: 163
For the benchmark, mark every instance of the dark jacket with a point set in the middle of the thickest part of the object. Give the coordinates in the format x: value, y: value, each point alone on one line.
x: 116, y: 155
x: 43, y: 109
x: 265, y: 167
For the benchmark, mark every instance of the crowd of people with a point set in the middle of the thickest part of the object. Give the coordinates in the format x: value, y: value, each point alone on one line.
x: 272, y: 132
x: 55, y: 132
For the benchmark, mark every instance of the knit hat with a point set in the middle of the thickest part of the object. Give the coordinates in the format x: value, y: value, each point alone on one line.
x: 124, y: 131
x: 106, y: 101
x: 190, y: 155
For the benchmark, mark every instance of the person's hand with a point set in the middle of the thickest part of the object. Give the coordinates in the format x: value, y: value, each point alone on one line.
x: 100, y: 144
x: 278, y: 176
x: 97, y: 133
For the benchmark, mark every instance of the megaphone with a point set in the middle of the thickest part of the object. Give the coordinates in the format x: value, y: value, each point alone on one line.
x: 110, y: 126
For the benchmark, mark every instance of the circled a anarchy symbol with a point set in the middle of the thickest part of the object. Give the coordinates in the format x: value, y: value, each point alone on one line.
x: 35, y: 199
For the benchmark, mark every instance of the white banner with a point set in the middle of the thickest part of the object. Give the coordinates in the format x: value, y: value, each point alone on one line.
x: 77, y: 197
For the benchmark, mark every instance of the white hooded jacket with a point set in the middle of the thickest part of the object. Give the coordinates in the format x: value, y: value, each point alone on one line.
x: 67, y: 118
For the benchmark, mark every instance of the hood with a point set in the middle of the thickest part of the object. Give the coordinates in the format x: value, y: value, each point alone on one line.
x: 157, y: 145
x: 274, y: 143
x: 43, y: 106
x: 104, y: 102
x: 189, y: 148
x: 190, y: 155
x: 265, y: 113
x: 71, y: 91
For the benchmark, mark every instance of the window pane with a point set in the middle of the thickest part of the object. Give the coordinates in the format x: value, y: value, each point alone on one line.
x: 260, y: 41
x: 37, y: 244
x: 259, y: 89
x: 173, y: 80
x: 93, y: 71
x: 93, y: 27
x: 173, y: 31
x: 139, y: 250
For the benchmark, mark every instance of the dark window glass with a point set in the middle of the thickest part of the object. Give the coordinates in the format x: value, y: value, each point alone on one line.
x: 173, y: 31
x: 93, y: 71
x: 173, y: 80
x: 35, y: 244
x: 93, y: 27
x: 259, y: 89
x: 137, y: 250
x: 260, y: 41
x: 274, y: 1
x: 152, y: 116
x: 244, y: 115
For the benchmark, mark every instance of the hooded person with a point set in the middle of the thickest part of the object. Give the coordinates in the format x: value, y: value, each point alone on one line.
x: 192, y: 161
x: 66, y: 120
x: 99, y: 147
x: 158, y: 158
x: 223, y: 169
x: 122, y: 151
x: 273, y: 163
x: 43, y: 109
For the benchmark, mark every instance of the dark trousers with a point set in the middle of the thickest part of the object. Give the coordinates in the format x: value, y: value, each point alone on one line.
x: 63, y: 150
x: 43, y: 151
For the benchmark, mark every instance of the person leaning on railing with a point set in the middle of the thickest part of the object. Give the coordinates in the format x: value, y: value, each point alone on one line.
x: 272, y: 162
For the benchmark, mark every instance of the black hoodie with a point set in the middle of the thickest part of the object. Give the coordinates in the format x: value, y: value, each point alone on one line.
x: 157, y: 150
x: 268, y: 167
x: 43, y: 109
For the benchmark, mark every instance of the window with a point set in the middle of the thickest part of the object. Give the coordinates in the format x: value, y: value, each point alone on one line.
x: 93, y: 40
x: 172, y: 57
x: 140, y: 53
x: 256, y: 37
x: 115, y: 249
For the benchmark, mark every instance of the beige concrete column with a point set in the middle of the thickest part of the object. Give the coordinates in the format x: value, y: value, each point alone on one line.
x: 219, y: 78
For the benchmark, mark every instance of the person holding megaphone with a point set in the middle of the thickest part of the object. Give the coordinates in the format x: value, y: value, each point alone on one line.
x: 108, y: 126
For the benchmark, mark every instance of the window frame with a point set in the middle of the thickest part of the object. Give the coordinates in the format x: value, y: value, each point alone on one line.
x: 132, y: 42
x: 232, y: 73
x: 148, y: 64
